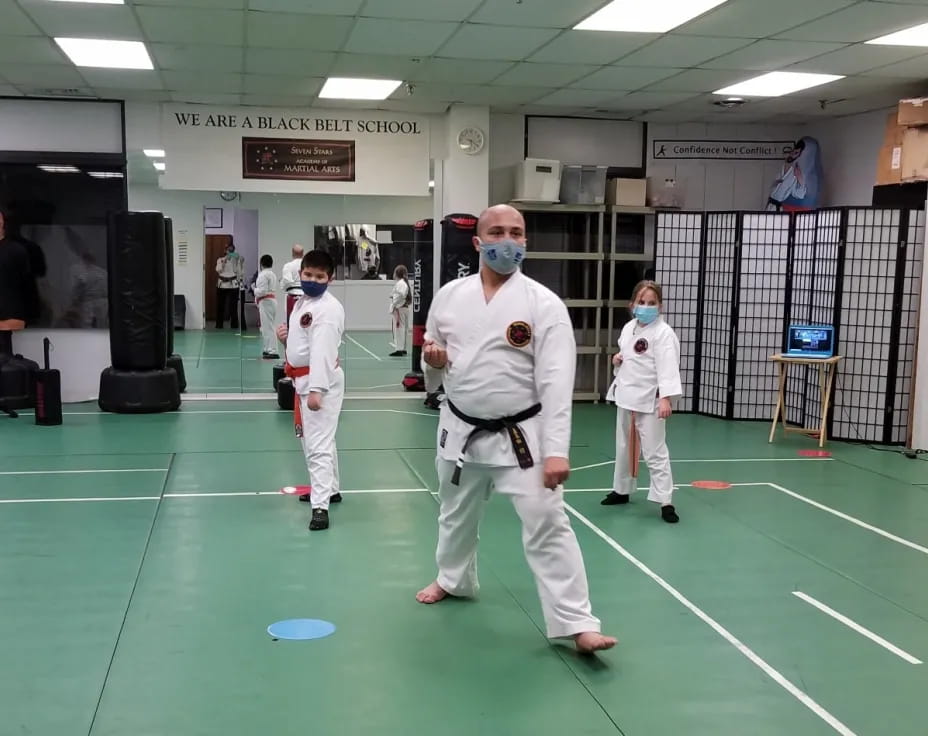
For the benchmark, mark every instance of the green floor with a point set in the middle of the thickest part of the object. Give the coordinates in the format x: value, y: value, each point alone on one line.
x: 143, y: 557
x: 224, y: 361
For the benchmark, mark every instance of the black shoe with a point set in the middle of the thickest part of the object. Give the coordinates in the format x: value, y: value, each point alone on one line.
x: 306, y: 498
x: 397, y: 353
x: 336, y: 498
x: 614, y: 499
x: 320, y: 520
x: 669, y: 514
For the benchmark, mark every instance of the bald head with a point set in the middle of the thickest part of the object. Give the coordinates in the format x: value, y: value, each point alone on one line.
x: 501, y: 221
x: 297, y: 251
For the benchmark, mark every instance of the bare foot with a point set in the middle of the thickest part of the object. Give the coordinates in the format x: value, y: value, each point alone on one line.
x: 590, y: 641
x: 431, y: 594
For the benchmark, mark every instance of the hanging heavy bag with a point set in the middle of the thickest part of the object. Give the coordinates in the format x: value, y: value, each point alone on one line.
x: 47, y: 393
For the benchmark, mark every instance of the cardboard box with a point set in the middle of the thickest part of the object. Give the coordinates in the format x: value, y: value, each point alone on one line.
x: 889, y: 165
x: 915, y: 155
x: 913, y: 112
x: 627, y: 192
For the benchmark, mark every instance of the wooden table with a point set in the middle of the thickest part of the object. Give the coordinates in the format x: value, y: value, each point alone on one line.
x: 827, y: 368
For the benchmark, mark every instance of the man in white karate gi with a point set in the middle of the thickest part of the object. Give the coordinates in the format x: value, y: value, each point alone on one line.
x: 503, y: 346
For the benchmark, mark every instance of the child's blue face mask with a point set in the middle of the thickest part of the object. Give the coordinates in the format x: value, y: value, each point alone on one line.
x: 646, y: 314
x: 313, y: 288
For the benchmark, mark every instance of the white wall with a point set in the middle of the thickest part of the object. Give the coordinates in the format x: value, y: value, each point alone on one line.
x: 850, y: 149
x: 507, y: 145
x: 283, y: 220
x: 720, y: 185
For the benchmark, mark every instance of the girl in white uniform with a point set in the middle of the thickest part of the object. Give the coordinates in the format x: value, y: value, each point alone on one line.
x: 400, y: 299
x: 647, y: 377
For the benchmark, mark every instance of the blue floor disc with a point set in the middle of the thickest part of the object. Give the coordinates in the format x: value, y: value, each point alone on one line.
x: 300, y: 629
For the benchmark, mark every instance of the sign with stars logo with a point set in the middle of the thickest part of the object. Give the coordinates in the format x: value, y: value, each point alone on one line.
x: 298, y: 159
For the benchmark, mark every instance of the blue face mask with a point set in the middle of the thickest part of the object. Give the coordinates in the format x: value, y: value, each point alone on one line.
x: 503, y: 256
x: 313, y: 288
x: 646, y: 315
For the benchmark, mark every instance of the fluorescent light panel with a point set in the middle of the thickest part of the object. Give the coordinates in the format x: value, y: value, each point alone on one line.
x: 776, y: 84
x: 915, y: 36
x: 153, y: 152
x: 56, y: 169
x: 98, y: 2
x: 159, y: 165
x: 344, y: 88
x: 646, y: 16
x: 105, y: 174
x: 100, y: 53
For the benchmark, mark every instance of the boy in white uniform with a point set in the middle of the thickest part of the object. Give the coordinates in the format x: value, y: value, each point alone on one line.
x: 290, y: 278
x: 266, y: 300
x: 313, y: 337
x: 503, y: 345
x: 647, y: 369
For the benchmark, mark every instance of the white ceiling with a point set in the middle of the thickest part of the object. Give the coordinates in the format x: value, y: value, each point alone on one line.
x: 513, y: 55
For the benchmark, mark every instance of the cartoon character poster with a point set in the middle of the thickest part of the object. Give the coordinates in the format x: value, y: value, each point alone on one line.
x: 799, y: 185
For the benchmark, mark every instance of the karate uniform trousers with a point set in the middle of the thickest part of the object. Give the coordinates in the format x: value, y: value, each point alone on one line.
x: 652, y: 436
x: 318, y: 442
x: 267, y: 313
x: 401, y: 331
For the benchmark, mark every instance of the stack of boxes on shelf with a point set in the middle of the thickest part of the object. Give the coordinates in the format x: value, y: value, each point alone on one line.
x: 904, y: 155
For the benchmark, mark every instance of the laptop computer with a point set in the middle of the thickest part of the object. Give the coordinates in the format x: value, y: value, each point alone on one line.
x: 810, y: 341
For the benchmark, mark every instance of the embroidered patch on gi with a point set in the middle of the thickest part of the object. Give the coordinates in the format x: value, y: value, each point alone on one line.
x: 306, y: 320
x: 641, y: 346
x: 519, y: 334
x: 444, y: 438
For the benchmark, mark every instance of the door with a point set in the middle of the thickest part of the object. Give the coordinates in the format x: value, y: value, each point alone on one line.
x: 214, y: 249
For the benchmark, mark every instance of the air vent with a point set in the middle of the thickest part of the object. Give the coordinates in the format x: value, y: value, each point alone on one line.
x: 60, y: 92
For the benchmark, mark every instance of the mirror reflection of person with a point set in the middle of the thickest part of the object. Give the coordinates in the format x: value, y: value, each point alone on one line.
x: 231, y: 270
x: 18, y: 293
x: 400, y: 299
x: 89, y: 306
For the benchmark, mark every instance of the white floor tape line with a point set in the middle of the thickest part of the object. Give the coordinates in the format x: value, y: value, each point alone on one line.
x: 766, y: 668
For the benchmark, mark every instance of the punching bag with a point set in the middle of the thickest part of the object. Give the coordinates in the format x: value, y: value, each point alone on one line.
x: 459, y: 258
x: 173, y: 361
x: 138, y: 289
x: 422, y: 288
x: 138, y: 380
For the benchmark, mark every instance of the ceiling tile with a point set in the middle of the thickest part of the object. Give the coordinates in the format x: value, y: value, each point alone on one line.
x: 288, y: 62
x: 624, y: 78
x: 8, y: 91
x: 537, y: 13
x: 131, y: 94
x: 297, y: 31
x: 378, y: 67
x: 45, y: 75
x: 760, y: 18
x: 649, y: 100
x: 398, y: 37
x: 591, y: 47
x: 698, y: 80
x: 123, y: 78
x: 916, y: 68
x: 475, y: 41
x: 860, y: 58
x: 475, y: 71
x: 259, y: 84
x: 684, y: 51
x: 265, y: 100
x: 456, y: 10
x: 15, y: 21
x: 860, y: 22
x: 77, y: 20
x: 205, y: 98
x: 197, y: 57
x: 545, y: 75
x: 770, y: 55
x: 318, y: 7
x: 476, y: 94
x: 184, y: 25
x: 578, y: 97
x: 31, y: 50
x: 414, y: 105
x: 225, y: 83
x: 212, y: 4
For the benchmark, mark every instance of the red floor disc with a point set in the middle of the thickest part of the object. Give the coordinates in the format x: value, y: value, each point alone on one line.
x: 814, y: 453
x: 712, y: 485
x: 295, y: 490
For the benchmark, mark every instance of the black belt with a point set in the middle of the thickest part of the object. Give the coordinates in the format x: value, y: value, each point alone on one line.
x: 510, y: 424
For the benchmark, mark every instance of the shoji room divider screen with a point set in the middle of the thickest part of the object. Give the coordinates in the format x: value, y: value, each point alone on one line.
x: 734, y: 281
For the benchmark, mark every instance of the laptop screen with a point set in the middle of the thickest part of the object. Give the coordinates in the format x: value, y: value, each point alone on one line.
x: 812, y: 340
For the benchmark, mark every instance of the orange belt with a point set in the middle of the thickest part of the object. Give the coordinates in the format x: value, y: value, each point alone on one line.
x: 292, y: 372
